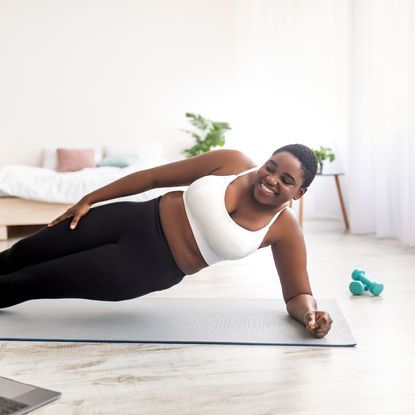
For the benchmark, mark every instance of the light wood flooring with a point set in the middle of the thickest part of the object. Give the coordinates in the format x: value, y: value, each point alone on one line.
x: 375, y: 377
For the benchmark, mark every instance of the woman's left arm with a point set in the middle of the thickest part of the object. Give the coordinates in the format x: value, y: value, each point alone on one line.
x: 290, y: 259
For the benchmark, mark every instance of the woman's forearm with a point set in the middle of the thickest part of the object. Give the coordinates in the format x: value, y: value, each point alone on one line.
x: 129, y: 185
x: 298, y: 306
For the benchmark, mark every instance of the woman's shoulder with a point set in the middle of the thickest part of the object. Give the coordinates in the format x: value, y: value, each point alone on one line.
x: 231, y: 162
x: 286, y: 227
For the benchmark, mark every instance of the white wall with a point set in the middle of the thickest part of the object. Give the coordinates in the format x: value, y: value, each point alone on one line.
x: 293, y: 74
x: 92, y: 72
x: 86, y: 72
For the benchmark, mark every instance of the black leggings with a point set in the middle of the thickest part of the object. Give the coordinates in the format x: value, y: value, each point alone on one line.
x: 117, y: 252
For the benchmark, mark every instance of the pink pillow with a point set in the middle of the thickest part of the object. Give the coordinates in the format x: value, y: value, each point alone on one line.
x: 74, y: 159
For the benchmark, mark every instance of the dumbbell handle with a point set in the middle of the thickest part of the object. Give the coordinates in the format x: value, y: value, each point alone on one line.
x: 359, y: 275
x: 366, y: 282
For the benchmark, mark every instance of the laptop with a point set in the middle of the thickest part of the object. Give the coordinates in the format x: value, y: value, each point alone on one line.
x: 19, y: 398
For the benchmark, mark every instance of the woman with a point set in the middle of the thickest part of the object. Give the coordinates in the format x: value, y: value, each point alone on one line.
x: 123, y: 250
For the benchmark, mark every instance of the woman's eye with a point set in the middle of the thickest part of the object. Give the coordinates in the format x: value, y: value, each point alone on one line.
x: 286, y: 181
x: 270, y: 168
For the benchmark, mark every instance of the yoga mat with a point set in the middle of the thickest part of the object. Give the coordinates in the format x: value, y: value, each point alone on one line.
x: 168, y: 320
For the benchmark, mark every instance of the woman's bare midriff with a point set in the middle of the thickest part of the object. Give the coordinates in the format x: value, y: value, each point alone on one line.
x: 179, y: 234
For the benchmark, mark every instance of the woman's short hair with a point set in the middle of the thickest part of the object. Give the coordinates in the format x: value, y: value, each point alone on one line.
x: 307, y: 159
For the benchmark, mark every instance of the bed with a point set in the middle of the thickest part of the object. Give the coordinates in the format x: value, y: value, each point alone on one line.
x: 15, y: 211
x: 35, y: 195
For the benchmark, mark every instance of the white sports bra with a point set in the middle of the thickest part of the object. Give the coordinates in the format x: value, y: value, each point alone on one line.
x: 217, y: 235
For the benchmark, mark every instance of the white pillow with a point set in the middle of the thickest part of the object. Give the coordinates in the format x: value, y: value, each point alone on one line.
x: 50, y: 157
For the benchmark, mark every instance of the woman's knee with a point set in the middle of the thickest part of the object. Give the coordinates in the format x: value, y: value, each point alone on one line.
x: 11, y: 258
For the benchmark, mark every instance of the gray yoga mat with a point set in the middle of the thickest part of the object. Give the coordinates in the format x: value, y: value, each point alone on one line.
x: 168, y: 320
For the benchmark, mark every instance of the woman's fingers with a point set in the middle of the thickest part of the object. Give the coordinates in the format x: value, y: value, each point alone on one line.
x: 75, y: 221
x: 61, y: 218
x: 81, y: 211
x: 324, y: 321
x: 318, y: 323
x: 309, y: 319
x: 323, y: 325
x: 58, y: 219
x: 77, y: 211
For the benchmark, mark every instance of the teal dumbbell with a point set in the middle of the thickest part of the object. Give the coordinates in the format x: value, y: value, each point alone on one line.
x: 361, y: 283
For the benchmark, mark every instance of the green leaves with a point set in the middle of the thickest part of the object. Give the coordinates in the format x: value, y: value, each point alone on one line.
x: 211, y: 134
x: 323, y: 153
x: 198, y: 121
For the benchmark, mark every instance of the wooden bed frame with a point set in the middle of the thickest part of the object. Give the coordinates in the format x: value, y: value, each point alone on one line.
x: 15, y: 211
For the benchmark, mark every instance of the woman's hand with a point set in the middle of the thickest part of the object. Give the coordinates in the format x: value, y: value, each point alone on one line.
x: 318, y: 323
x: 75, y: 211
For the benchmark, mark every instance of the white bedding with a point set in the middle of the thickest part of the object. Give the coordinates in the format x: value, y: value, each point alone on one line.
x: 37, y: 183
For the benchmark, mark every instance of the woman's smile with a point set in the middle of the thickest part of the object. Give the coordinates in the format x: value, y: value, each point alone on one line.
x: 266, y: 189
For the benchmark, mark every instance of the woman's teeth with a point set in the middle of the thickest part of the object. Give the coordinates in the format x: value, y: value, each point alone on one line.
x: 266, y: 188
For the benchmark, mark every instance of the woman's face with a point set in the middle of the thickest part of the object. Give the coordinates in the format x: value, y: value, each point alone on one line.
x: 279, y: 180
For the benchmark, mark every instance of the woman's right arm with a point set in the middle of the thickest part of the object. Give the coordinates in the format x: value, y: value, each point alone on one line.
x: 179, y: 173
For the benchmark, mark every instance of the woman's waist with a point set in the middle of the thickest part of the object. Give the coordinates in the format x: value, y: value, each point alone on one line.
x: 179, y: 234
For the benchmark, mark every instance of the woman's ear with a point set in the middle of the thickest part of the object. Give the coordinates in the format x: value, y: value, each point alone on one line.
x: 300, y: 193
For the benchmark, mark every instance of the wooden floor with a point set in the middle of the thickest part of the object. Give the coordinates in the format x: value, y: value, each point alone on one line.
x: 375, y: 377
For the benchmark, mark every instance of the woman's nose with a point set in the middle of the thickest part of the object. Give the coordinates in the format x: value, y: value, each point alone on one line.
x: 273, y: 181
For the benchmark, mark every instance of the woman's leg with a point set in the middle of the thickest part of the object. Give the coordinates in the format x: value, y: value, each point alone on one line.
x: 103, y: 273
x: 137, y: 263
x: 102, y: 225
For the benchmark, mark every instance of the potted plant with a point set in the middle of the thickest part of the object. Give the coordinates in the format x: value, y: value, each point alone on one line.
x: 323, y: 153
x: 208, y: 134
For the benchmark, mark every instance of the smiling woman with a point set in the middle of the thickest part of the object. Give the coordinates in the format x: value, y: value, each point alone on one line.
x: 124, y: 250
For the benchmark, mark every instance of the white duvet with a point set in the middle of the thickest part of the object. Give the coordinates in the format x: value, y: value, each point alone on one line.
x: 37, y: 183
